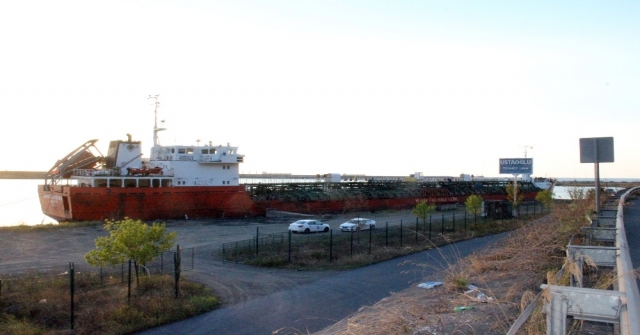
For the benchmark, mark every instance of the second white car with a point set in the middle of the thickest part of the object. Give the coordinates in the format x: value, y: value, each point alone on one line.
x: 357, y: 224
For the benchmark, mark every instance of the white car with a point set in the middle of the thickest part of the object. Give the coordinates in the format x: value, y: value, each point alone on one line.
x: 357, y: 224
x: 308, y: 226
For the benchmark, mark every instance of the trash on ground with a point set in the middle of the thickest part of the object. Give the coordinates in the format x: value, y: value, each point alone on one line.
x: 462, y: 308
x: 482, y: 297
x: 471, y: 289
x: 430, y: 284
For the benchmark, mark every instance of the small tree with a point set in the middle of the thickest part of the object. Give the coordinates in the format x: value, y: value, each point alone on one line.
x: 545, y: 197
x: 422, y: 211
x: 130, y: 239
x: 473, y: 204
x: 514, y: 196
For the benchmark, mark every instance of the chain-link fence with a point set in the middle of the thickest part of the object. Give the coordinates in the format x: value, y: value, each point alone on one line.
x: 434, y: 230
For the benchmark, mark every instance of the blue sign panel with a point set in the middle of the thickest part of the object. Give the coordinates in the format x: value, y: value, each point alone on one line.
x: 516, y: 165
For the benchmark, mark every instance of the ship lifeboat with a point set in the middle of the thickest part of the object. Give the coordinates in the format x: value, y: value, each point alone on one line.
x: 144, y: 171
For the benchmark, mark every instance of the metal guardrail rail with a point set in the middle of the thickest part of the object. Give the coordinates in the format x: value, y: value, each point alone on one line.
x: 621, y: 306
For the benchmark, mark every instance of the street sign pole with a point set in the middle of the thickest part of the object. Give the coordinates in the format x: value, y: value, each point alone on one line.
x: 596, y: 172
x: 596, y: 150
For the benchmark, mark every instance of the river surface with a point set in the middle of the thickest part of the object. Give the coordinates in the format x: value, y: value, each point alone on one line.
x: 19, y: 202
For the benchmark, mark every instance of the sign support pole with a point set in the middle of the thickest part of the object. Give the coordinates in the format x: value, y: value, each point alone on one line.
x: 596, y: 150
x: 515, y: 195
x: 596, y: 170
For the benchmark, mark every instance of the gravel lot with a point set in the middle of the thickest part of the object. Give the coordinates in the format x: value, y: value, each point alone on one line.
x: 53, y: 249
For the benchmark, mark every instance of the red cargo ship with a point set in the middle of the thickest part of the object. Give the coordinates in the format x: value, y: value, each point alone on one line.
x: 179, y: 181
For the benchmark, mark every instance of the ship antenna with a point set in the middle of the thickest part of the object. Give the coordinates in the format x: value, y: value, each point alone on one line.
x: 155, y: 121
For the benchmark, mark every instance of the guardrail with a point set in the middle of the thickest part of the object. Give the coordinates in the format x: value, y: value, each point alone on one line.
x: 629, y: 318
x: 621, y: 306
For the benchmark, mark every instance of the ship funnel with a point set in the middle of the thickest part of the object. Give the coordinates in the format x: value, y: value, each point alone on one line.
x: 129, y: 138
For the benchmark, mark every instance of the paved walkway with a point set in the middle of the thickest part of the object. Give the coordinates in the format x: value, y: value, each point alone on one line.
x: 315, y: 306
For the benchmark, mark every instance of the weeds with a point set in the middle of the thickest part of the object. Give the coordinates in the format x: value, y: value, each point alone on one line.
x: 39, y: 304
x: 509, y: 273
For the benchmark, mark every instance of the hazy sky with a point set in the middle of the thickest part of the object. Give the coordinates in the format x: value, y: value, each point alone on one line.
x: 306, y: 87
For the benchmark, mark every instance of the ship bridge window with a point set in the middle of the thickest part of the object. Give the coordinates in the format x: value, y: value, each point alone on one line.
x: 190, y: 151
x: 144, y: 183
x: 156, y: 182
x: 205, y: 151
x: 231, y: 152
x: 182, y: 151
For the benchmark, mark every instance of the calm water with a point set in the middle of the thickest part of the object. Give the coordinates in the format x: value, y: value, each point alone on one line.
x: 19, y: 202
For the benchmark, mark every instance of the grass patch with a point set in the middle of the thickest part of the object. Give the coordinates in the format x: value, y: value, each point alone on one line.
x: 40, y: 304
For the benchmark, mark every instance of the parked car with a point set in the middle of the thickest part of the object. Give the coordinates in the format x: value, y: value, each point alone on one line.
x: 357, y: 224
x: 308, y: 226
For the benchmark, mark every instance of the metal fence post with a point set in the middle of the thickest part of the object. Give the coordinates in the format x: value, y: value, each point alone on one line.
x: 429, y: 227
x: 400, y: 232
x: 289, y: 260
x: 330, y: 245
x: 352, y: 243
x: 454, y: 222
x: 442, y: 225
x: 72, y: 272
x: 386, y: 236
x: 416, y: 230
x: 129, y: 284
x: 465, y: 222
x: 257, y: 239
x: 176, y: 273
x: 370, y: 232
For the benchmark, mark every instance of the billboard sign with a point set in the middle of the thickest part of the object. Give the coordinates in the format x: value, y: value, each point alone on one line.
x: 516, y: 165
x: 596, y: 150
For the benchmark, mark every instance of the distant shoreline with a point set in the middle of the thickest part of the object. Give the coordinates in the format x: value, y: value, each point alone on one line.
x: 22, y: 174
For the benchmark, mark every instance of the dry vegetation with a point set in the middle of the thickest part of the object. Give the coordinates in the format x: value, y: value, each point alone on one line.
x: 40, y: 304
x: 507, y: 276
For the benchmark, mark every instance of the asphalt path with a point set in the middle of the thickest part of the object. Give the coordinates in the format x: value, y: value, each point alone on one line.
x: 632, y: 228
x: 319, y: 304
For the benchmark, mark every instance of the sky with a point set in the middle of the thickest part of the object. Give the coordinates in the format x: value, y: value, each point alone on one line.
x: 313, y: 87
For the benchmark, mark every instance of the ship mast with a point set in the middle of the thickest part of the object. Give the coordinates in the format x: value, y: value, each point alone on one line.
x: 156, y: 143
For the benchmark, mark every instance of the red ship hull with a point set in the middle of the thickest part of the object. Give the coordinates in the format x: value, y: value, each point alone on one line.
x: 66, y: 203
